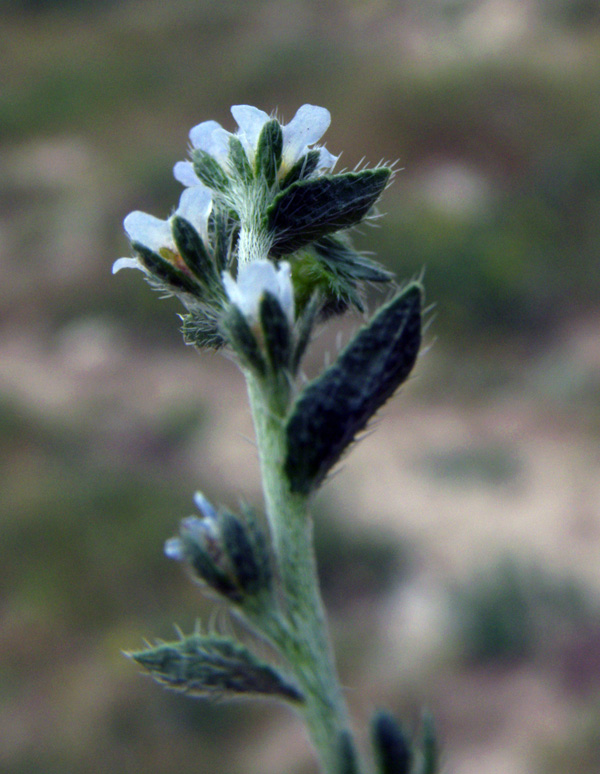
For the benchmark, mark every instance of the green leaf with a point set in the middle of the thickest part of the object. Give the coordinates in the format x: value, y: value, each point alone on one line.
x: 338, y: 404
x: 164, y: 271
x: 268, y: 151
x: 344, y: 261
x: 310, y: 209
x: 212, y: 665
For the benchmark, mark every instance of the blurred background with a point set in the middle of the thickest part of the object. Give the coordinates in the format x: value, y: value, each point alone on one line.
x: 460, y: 541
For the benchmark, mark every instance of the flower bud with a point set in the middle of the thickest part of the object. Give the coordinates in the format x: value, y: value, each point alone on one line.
x: 222, y: 551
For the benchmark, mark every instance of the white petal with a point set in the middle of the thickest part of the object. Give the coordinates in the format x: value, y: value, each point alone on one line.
x: 174, y: 549
x: 127, y: 263
x: 326, y: 159
x: 183, y: 172
x: 251, y: 121
x: 253, y: 280
x: 148, y: 230
x: 205, y: 507
x: 210, y: 136
x: 285, y: 289
x: 306, y: 127
x: 194, y: 206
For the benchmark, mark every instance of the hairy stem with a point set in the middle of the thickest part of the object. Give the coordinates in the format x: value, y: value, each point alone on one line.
x: 305, y: 643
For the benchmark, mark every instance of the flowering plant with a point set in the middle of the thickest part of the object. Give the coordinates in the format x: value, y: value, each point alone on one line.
x: 258, y: 252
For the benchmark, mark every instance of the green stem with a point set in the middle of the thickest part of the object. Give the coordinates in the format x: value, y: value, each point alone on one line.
x: 305, y: 641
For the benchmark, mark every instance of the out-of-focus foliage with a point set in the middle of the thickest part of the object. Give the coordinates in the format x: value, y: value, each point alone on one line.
x: 509, y: 613
x: 492, y: 110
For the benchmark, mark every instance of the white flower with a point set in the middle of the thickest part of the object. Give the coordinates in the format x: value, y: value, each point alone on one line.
x: 156, y: 234
x: 253, y: 280
x: 308, y: 125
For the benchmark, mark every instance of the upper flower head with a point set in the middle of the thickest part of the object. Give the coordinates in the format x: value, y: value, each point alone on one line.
x: 303, y: 131
x: 157, y: 234
x: 253, y: 280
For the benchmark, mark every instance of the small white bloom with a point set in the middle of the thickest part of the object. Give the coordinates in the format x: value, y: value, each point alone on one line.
x: 305, y: 129
x: 156, y: 234
x: 253, y: 280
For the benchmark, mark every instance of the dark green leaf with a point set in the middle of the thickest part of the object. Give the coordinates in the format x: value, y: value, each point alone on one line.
x: 338, y: 404
x: 310, y: 209
x: 342, y: 259
x: 214, y: 666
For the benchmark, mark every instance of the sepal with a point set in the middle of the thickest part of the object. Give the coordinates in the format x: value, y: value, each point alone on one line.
x: 223, y: 227
x: 201, y: 329
x: 302, y: 169
x: 276, y: 332
x: 241, y: 337
x: 214, y: 666
x: 165, y: 272
x: 310, y: 209
x: 209, y: 171
x: 338, y: 404
x: 393, y: 750
x: 268, y: 151
x: 194, y: 253
x: 239, y: 160
x: 303, y: 330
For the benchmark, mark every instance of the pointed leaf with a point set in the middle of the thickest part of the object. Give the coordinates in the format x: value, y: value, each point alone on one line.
x: 214, y: 666
x: 341, y: 258
x: 310, y: 209
x: 338, y: 404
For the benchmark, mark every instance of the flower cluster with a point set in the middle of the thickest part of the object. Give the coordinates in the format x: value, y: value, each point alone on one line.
x: 262, y: 213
